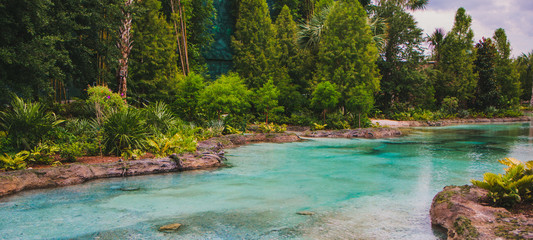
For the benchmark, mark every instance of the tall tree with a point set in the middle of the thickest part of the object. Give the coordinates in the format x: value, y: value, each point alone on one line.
x: 403, y: 84
x: 488, y: 92
x: 154, y: 72
x: 267, y: 99
x: 255, y: 43
x: 524, y: 65
x: 226, y: 95
x: 347, y: 53
x: 505, y: 74
x: 456, y: 66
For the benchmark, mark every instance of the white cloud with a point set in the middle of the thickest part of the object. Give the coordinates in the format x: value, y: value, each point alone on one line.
x: 515, y: 16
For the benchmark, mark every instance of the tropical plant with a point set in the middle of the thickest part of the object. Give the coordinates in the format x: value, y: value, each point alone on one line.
x: 16, y: 162
x: 164, y: 146
x: 317, y: 126
x: 43, y: 154
x: 515, y: 186
x: 134, y: 154
x: 71, y: 152
x: 271, y: 128
x: 27, y: 123
x: 159, y: 117
x: 124, y: 129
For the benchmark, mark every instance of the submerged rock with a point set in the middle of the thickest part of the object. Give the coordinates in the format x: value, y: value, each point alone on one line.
x: 170, y: 227
x: 307, y: 213
x: 461, y: 211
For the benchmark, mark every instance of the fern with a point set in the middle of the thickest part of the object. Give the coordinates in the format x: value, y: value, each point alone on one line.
x: 515, y: 186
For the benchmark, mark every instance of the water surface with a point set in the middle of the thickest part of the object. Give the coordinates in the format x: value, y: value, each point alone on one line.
x: 358, y: 188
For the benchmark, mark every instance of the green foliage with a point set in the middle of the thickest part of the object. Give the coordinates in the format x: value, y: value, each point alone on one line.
x: 505, y: 74
x: 227, y: 94
x: 487, y: 94
x: 403, y: 82
x: 124, y: 129
x: 153, y: 60
x: 159, y: 118
x: 325, y: 96
x: 27, y: 123
x: 267, y: 99
x: 43, y: 154
x: 104, y: 100
x: 271, y: 128
x: 134, y: 154
x: 187, y: 94
x: 71, y: 152
x: 347, y: 54
x: 254, y: 43
x: 16, y: 162
x: 450, y: 105
x: 163, y: 146
x: 317, y: 126
x: 456, y: 63
x: 515, y: 186
x: 231, y: 130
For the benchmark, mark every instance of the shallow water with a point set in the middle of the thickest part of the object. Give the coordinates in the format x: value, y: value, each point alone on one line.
x: 358, y: 188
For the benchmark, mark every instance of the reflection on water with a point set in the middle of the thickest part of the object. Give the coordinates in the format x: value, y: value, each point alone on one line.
x: 358, y: 189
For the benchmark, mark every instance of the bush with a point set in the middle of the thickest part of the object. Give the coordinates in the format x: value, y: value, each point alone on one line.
x: 43, y: 154
x: 163, y: 146
x: 27, y: 124
x: 515, y: 186
x: 271, y: 128
x: 159, y: 117
x: 450, y: 105
x: 71, y: 152
x: 124, y: 129
x: 18, y: 161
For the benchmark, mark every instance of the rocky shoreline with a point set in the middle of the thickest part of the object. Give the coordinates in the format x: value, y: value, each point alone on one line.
x: 461, y: 211
x: 446, y: 122
x: 354, y: 133
x: 209, y: 154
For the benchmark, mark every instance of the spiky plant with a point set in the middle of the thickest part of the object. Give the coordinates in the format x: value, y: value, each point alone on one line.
x: 159, y: 117
x: 124, y: 129
x: 27, y: 123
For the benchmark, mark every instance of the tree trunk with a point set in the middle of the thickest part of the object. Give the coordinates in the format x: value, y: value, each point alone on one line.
x: 266, y: 117
x: 184, y: 37
x: 177, y: 38
x: 124, y: 45
x: 531, y: 100
x: 359, y: 118
x: 324, y: 117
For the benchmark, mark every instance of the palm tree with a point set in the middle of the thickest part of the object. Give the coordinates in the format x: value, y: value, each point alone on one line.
x: 435, y: 42
x: 124, y: 45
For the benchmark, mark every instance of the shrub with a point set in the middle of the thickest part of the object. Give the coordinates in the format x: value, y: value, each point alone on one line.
x: 317, y: 126
x: 450, y: 105
x: 134, y: 154
x: 71, y: 152
x: 104, y: 101
x: 124, y: 129
x: 43, y: 154
x: 515, y: 186
x: 271, y: 128
x: 27, y: 124
x: 16, y: 162
x: 159, y: 117
x: 164, y: 146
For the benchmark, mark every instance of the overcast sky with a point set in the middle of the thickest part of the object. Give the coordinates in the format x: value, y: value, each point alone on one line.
x: 515, y: 16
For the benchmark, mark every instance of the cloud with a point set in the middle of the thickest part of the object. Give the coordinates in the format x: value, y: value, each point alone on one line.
x: 516, y: 17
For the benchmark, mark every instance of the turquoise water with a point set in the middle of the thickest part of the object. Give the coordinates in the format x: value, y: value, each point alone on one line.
x: 358, y: 188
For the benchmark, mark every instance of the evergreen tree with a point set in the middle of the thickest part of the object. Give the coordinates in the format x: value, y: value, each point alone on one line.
x: 347, y: 53
x: 488, y: 92
x: 403, y: 84
x: 524, y: 66
x: 154, y: 72
x: 457, y: 78
x: 506, y: 75
x: 254, y: 43
x: 291, y: 82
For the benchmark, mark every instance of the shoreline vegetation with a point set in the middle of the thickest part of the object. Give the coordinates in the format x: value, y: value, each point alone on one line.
x: 209, y: 154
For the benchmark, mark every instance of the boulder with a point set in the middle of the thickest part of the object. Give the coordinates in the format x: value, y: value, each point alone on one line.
x: 461, y: 211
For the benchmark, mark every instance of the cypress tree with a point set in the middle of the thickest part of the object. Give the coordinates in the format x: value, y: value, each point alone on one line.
x: 254, y: 43
x: 154, y: 68
x: 347, y: 54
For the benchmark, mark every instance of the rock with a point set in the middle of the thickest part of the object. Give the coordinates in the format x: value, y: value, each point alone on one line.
x: 355, y: 133
x: 460, y: 211
x: 170, y: 227
x: 307, y: 213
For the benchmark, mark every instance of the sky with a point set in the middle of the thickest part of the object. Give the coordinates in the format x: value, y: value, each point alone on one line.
x: 515, y: 16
